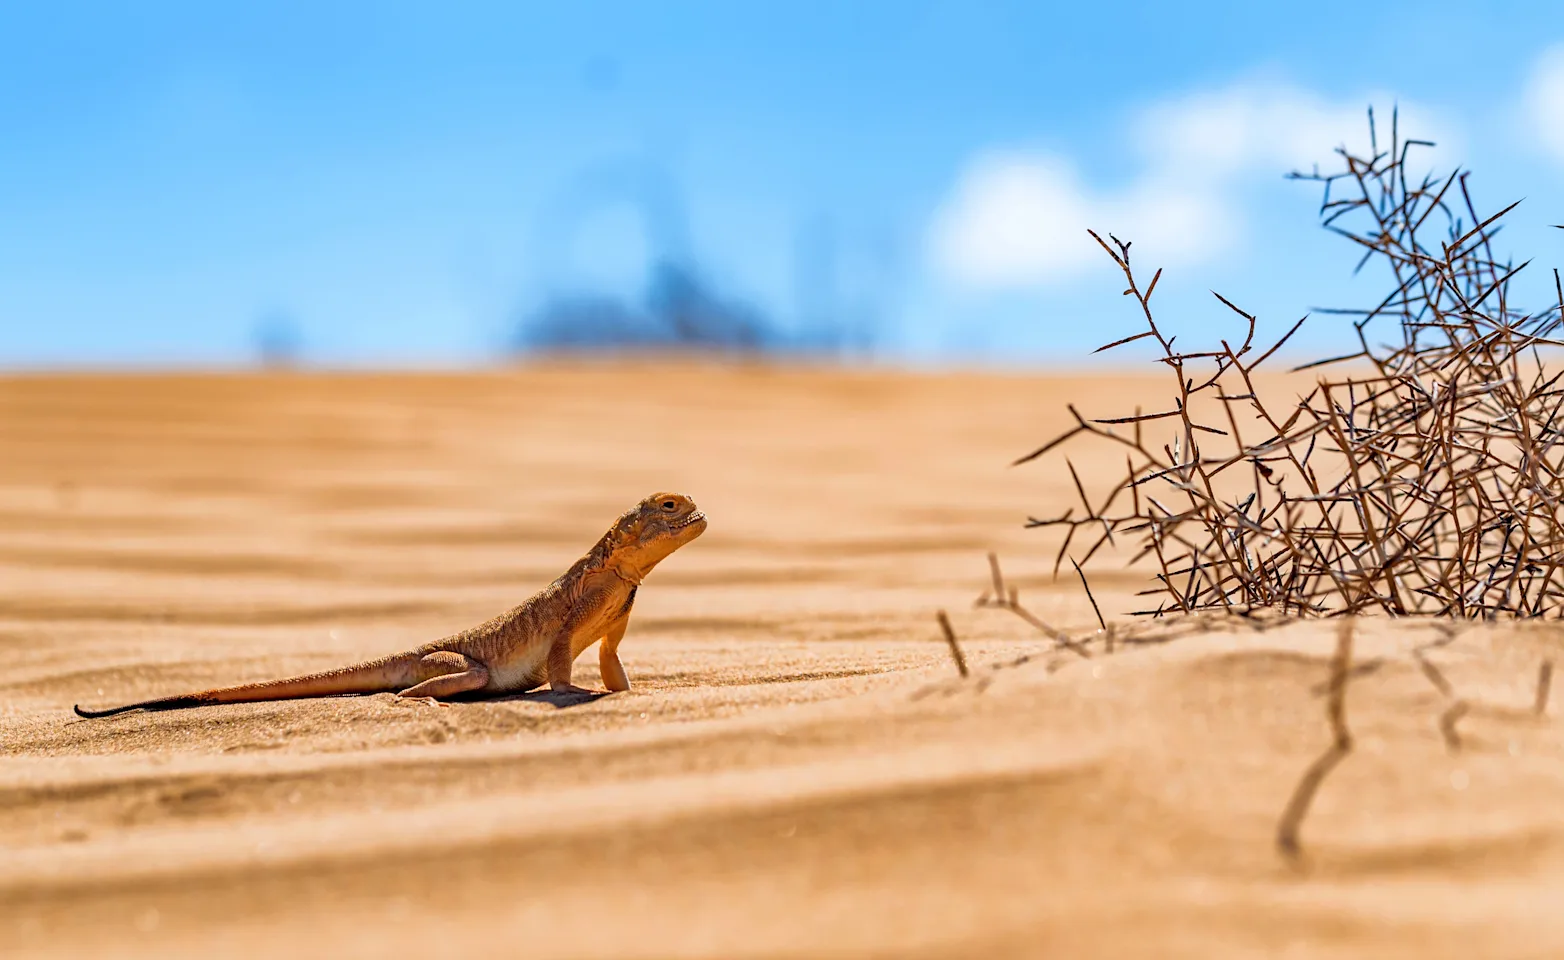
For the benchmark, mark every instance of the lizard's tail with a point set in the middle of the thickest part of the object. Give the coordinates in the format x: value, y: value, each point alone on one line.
x: 386, y: 675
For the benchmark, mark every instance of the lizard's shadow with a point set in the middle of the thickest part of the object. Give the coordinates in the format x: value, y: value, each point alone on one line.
x: 559, y: 701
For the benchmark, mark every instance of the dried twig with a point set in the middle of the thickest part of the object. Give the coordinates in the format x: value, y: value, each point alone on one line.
x: 1434, y: 674
x: 1362, y: 668
x: 1447, y: 721
x: 1341, y: 745
x: 1455, y: 708
x: 1009, y: 598
x: 1088, y: 588
x: 955, y: 647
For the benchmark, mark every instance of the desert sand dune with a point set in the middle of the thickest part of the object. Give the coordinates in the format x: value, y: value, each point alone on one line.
x: 798, y: 772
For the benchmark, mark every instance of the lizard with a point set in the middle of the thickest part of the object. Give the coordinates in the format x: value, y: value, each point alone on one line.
x: 518, y: 650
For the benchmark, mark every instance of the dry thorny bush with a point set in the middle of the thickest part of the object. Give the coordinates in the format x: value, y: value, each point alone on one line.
x: 1423, y: 479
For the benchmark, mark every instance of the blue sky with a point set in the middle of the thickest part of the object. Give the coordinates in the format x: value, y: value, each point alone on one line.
x: 404, y: 181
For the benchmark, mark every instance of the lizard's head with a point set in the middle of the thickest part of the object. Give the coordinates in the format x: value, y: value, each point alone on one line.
x: 654, y: 528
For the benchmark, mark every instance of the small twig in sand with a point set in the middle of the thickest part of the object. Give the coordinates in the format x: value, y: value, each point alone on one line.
x: 955, y: 648
x: 999, y: 578
x: 1447, y: 722
x: 1362, y: 668
x: 1341, y: 745
x: 1544, y: 686
x: 1010, y: 599
x: 1434, y: 674
x: 1457, y: 708
x: 1082, y: 574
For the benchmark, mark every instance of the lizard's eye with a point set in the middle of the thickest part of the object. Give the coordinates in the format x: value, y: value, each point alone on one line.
x: 669, y: 505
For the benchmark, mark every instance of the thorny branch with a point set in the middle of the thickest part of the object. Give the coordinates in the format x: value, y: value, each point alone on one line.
x: 1428, y: 479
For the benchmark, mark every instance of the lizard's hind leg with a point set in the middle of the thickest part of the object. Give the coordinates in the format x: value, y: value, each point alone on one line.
x: 448, y: 673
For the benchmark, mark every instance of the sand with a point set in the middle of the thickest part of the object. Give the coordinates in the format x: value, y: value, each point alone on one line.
x: 798, y: 771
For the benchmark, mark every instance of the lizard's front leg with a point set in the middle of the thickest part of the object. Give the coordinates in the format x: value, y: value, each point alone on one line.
x: 614, y: 677
x: 582, y: 622
x: 560, y: 658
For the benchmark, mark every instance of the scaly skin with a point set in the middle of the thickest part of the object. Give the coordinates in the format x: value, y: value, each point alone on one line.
x: 534, y: 643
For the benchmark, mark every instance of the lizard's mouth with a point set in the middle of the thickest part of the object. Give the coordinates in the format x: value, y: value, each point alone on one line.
x: 692, y: 518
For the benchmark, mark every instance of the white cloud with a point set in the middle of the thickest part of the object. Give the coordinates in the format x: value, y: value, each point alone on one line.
x: 1019, y: 219
x: 1014, y: 217
x: 1225, y: 132
x: 1545, y: 101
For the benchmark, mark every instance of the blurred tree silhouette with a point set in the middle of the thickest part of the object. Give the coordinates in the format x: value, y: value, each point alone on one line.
x: 680, y: 312
x: 679, y: 309
x: 277, y: 340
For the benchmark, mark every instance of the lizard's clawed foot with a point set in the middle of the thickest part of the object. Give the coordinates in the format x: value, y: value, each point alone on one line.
x: 570, y: 688
x: 431, y: 701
